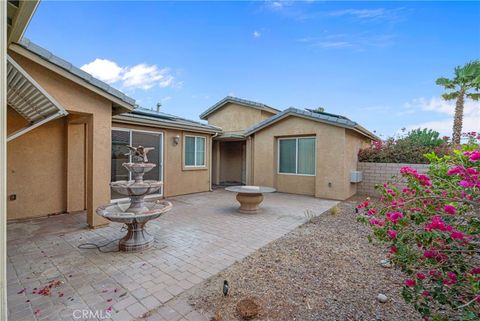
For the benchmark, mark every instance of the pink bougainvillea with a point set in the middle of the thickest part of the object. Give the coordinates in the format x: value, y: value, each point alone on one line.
x: 431, y: 228
x: 450, y: 209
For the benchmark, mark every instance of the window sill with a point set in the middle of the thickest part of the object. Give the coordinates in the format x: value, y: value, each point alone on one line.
x: 194, y: 168
x: 292, y: 174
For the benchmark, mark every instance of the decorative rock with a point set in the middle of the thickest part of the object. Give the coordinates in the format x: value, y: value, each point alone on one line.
x: 382, y: 298
x: 247, y: 308
x: 386, y: 263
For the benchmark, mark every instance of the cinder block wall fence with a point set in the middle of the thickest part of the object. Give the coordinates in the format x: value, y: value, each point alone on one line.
x: 379, y: 173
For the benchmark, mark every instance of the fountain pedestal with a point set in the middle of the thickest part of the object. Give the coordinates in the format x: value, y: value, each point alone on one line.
x: 137, y: 238
x: 137, y: 212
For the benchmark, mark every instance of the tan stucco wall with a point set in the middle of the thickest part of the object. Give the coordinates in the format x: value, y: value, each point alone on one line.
x: 353, y: 143
x: 76, y: 174
x: 177, y: 179
x: 98, y: 113
x: 296, y: 184
x: 335, y: 158
x: 36, y: 169
x: 236, y: 118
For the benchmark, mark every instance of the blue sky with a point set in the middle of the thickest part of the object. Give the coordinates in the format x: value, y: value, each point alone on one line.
x: 374, y: 62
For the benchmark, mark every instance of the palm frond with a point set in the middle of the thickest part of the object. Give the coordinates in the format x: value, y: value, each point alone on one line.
x: 473, y: 96
x: 445, y: 82
x: 450, y: 96
x: 468, y: 73
x: 476, y: 82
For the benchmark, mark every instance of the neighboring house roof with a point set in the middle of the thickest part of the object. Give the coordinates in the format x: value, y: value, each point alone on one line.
x: 19, y: 14
x: 332, y: 119
x: 159, y: 119
x: 238, y: 101
x: 122, y: 99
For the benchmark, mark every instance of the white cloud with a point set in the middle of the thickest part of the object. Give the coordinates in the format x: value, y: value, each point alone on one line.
x: 356, y: 41
x: 471, y: 114
x: 334, y: 44
x: 146, y: 76
x: 279, y: 4
x: 141, y: 76
x: 104, y: 69
x: 257, y: 34
x: 360, y: 13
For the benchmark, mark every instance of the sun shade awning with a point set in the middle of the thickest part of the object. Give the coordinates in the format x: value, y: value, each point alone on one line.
x: 29, y: 99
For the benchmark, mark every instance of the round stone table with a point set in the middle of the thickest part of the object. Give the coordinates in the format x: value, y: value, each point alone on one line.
x: 249, y: 197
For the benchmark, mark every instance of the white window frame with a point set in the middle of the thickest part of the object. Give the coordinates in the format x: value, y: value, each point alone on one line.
x: 296, y: 155
x: 195, y: 152
x: 160, y: 152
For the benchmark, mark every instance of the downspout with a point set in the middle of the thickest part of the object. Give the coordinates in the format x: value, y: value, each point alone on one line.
x: 211, y: 162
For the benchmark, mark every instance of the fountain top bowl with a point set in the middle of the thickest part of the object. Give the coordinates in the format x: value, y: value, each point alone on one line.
x: 139, y: 165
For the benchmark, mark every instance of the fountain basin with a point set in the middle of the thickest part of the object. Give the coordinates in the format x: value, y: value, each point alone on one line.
x: 118, y: 212
x: 137, y: 238
x: 132, y: 188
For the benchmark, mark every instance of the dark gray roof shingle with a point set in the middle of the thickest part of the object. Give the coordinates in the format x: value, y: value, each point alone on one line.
x: 240, y: 101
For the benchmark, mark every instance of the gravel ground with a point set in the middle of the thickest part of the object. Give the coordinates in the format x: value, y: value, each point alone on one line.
x: 323, y: 270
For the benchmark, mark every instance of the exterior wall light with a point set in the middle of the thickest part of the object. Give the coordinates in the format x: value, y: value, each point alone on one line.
x: 175, y: 140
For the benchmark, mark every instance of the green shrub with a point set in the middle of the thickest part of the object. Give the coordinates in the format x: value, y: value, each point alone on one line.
x: 411, y: 148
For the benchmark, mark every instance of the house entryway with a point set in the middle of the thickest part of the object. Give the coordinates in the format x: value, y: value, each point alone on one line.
x: 229, y: 162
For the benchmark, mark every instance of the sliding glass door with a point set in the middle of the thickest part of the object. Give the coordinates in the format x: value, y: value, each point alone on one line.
x: 121, y: 138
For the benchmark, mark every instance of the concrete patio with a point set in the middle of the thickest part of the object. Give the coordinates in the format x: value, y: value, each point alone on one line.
x: 202, y: 235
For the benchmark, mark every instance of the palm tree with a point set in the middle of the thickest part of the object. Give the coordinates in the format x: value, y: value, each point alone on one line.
x: 465, y: 84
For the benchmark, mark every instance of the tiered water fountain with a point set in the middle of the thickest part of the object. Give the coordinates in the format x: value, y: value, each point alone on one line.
x: 136, y: 212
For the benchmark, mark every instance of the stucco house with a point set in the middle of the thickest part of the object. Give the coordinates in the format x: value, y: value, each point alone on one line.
x: 67, y: 136
x: 68, y: 133
x: 64, y: 135
x: 294, y: 151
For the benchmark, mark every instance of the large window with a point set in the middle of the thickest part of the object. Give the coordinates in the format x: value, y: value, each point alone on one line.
x: 194, y: 151
x: 296, y: 156
x: 123, y: 137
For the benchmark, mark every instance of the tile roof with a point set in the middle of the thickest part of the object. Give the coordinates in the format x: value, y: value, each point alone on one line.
x: 333, y: 119
x: 163, y: 119
x: 59, y: 62
x: 243, y: 102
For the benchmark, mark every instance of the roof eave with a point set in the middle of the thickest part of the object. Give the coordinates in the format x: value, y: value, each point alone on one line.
x: 225, y: 101
x: 359, y: 129
x: 155, y: 122
x: 367, y: 133
x: 119, y: 106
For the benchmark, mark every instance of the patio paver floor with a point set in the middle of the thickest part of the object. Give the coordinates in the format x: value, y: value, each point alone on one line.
x: 202, y: 235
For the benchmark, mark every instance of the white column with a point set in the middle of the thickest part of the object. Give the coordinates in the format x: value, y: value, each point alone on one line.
x: 3, y: 160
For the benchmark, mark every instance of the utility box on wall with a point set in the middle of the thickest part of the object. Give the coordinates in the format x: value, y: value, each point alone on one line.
x: 356, y: 176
